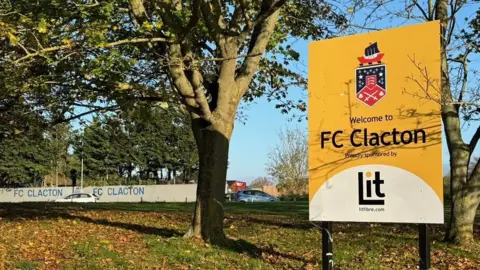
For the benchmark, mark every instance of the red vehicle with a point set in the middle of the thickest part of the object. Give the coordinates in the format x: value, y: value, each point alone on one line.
x: 235, y: 186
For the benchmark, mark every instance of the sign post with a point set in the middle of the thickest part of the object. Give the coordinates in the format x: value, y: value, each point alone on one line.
x: 327, y: 249
x: 375, y: 131
x: 424, y: 246
x: 73, y: 176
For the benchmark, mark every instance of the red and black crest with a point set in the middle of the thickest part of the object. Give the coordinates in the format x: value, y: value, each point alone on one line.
x: 371, y: 83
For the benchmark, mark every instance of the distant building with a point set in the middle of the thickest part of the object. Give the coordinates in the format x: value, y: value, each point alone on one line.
x: 272, y: 190
x: 235, y: 185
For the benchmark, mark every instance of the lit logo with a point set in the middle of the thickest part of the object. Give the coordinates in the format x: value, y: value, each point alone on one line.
x: 368, y: 186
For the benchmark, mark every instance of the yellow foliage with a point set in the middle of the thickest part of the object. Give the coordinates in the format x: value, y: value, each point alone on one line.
x: 124, y: 86
x: 13, y: 38
x: 42, y: 29
x: 67, y: 41
x: 147, y: 26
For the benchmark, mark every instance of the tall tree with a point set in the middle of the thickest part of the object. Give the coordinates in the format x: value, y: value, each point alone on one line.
x: 459, y: 39
x: 259, y: 182
x: 59, y: 140
x: 288, y: 161
x: 145, y: 139
x: 205, y: 54
x: 25, y: 159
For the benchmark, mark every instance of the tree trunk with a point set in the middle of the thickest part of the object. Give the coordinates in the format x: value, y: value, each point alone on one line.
x: 185, y: 174
x: 464, y: 208
x: 213, y: 146
x: 174, y: 175
x: 463, y: 191
x: 464, y: 196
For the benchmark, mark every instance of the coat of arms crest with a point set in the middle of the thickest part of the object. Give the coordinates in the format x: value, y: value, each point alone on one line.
x: 370, y: 77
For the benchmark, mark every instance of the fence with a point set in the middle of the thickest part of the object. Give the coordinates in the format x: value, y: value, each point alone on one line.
x: 150, y: 193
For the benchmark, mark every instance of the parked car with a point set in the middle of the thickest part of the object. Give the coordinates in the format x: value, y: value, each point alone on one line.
x: 254, y: 196
x: 79, y: 198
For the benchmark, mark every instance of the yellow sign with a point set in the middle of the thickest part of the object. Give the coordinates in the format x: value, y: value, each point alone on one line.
x: 375, y: 138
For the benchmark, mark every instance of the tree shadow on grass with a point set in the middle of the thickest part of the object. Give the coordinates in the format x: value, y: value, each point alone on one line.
x: 34, y: 212
x: 304, y: 225
x: 266, y: 253
x: 239, y: 246
x: 22, y: 211
x: 163, y: 232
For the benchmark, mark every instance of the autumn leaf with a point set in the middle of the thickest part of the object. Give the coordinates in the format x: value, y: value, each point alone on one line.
x: 147, y: 26
x: 164, y: 105
x: 13, y: 39
x: 42, y: 26
x: 124, y: 86
x: 67, y: 42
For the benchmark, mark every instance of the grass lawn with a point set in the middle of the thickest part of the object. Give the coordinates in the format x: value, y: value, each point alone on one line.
x: 148, y: 236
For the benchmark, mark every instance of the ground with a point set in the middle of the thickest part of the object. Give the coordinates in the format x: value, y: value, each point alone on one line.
x: 148, y: 236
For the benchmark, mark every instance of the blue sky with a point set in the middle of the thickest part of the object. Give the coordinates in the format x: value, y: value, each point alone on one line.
x: 252, y: 142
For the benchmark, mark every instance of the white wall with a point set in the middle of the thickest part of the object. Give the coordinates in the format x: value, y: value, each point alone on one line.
x: 150, y: 193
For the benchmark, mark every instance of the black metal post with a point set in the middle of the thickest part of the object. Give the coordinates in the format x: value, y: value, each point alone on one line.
x: 327, y: 253
x: 424, y: 246
x: 73, y: 175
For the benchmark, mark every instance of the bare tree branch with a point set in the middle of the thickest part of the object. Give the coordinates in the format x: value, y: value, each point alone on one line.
x: 268, y: 8
x: 455, y: 7
x: 427, y: 17
x: 236, y: 16
x: 258, y: 43
x: 99, y: 109
x: 244, y: 8
x: 138, y: 10
x: 107, y: 45
x: 214, y: 28
x: 196, y: 15
x: 94, y: 4
x: 464, y: 80
x: 179, y: 79
x: 474, y: 140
